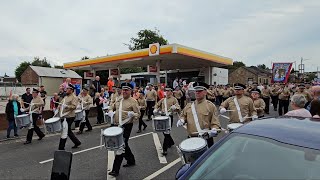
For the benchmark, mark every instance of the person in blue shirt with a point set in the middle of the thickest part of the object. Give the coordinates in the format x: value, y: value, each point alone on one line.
x: 12, y: 111
x: 133, y: 83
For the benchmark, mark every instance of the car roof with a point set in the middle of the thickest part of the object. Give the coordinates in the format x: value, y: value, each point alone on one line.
x: 291, y: 130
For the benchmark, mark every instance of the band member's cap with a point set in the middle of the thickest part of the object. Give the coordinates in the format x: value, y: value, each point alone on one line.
x: 239, y: 86
x: 168, y: 88
x: 35, y: 90
x: 200, y: 86
x: 126, y: 86
x: 85, y: 88
x: 255, y: 91
x: 301, y: 86
x: 70, y: 86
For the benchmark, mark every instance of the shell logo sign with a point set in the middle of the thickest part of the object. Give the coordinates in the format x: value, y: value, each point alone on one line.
x: 154, y: 49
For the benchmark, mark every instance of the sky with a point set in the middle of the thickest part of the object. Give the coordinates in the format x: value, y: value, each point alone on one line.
x: 252, y: 31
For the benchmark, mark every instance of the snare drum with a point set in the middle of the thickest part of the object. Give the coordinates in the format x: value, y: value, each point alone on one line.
x: 23, y: 120
x: 107, y: 118
x: 79, y: 115
x: 233, y: 126
x: 53, y: 124
x: 161, y: 123
x: 113, y: 138
x: 191, y: 149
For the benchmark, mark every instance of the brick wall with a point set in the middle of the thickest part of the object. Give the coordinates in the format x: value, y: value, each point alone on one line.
x: 29, y: 77
x: 241, y: 75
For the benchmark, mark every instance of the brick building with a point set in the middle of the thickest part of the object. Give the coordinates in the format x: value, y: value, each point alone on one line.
x: 247, y: 75
x: 50, y: 78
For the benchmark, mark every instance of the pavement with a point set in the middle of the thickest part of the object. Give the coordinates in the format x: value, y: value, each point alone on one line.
x: 34, y: 161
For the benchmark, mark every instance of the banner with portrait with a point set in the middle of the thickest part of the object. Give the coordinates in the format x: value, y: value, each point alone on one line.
x: 281, y: 72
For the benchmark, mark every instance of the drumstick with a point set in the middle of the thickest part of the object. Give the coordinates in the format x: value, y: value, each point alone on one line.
x: 224, y: 116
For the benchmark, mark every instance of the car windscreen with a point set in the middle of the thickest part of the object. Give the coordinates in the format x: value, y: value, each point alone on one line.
x: 251, y: 157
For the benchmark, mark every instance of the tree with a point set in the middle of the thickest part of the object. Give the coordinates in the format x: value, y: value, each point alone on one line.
x: 20, y: 69
x: 262, y: 66
x: 236, y: 65
x: 40, y: 62
x: 146, y: 37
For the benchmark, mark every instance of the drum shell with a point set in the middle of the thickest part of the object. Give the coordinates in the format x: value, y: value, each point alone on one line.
x: 114, y: 142
x: 23, y: 121
x: 107, y: 118
x: 161, y: 125
x: 192, y: 156
x: 54, y: 126
x: 79, y: 116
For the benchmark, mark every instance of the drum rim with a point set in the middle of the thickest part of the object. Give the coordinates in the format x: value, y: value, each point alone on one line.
x: 113, y: 134
x: 160, y: 118
x: 78, y: 111
x: 23, y: 115
x: 49, y: 122
x: 192, y: 150
x: 240, y: 124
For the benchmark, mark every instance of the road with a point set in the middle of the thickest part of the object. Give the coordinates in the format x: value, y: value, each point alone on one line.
x: 34, y: 161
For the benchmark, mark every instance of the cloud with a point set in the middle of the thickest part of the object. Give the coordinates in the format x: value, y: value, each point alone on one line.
x: 255, y: 32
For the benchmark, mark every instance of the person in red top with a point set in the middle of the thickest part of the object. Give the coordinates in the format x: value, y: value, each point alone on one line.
x: 161, y: 93
x: 110, y: 85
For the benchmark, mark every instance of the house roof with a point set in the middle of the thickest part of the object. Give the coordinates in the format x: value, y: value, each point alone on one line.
x: 53, y: 72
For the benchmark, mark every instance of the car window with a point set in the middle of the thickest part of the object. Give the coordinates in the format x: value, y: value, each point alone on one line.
x: 250, y: 157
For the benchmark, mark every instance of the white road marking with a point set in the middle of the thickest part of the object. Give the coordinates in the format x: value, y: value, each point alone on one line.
x: 157, y: 173
x: 162, y: 159
x: 110, y: 164
x: 92, y: 148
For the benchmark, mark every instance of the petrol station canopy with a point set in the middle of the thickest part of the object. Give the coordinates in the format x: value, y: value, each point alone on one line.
x: 169, y: 57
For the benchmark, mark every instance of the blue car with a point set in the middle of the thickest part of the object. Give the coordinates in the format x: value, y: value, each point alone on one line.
x: 274, y: 148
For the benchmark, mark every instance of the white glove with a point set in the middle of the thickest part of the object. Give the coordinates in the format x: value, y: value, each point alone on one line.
x: 111, y: 114
x: 130, y: 114
x: 223, y: 110
x: 64, y: 105
x: 21, y: 109
x: 212, y: 132
x: 173, y: 107
x: 254, y: 117
x: 180, y: 122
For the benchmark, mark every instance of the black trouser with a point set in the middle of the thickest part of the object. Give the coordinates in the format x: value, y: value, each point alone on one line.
x: 168, y: 141
x: 77, y: 123
x: 100, y: 117
x: 141, y: 122
x: 35, y: 128
x: 73, y: 138
x: 182, y: 102
x: 219, y: 100
x: 150, y: 105
x: 275, y: 100
x: 267, y: 102
x: 87, y: 123
x: 127, y: 151
x: 283, y: 104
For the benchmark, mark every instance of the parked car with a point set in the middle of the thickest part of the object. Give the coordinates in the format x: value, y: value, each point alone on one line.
x: 274, y: 148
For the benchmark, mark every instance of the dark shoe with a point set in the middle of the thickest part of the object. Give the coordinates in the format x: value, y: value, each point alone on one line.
x: 8, y: 137
x: 88, y: 130
x: 16, y: 135
x: 41, y: 137
x: 112, y: 173
x: 164, y: 153
x: 144, y: 128
x: 128, y: 165
x: 79, y: 132
x: 76, y: 146
x: 267, y: 112
x: 148, y: 119
x: 27, y: 142
x: 139, y: 131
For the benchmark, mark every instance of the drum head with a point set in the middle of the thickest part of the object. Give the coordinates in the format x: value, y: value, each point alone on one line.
x: 159, y: 118
x: 112, y: 131
x: 78, y: 111
x: 233, y: 126
x: 192, y: 144
x: 52, y: 120
x: 22, y: 115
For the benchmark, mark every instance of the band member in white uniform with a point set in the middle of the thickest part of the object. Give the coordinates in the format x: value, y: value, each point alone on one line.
x: 200, y: 115
x: 86, y: 101
x: 125, y: 110
x: 35, y: 110
x: 167, y: 105
x: 67, y: 115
